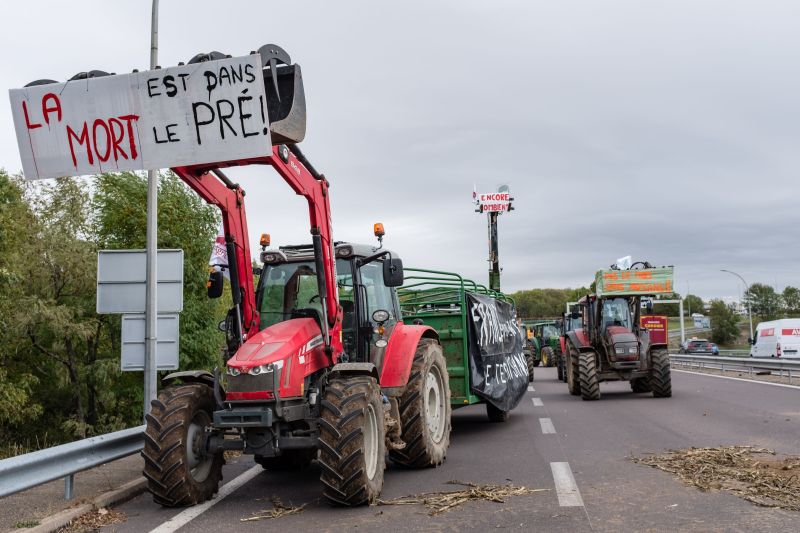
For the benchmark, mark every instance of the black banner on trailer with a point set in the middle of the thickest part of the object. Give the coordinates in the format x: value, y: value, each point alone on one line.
x: 496, y: 363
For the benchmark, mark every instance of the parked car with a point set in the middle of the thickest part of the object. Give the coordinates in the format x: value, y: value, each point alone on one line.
x: 700, y: 347
x: 777, y: 338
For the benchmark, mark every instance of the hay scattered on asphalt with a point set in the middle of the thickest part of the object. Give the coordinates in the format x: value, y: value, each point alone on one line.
x: 751, y: 473
x: 93, y: 521
x: 440, y: 502
x: 279, y: 510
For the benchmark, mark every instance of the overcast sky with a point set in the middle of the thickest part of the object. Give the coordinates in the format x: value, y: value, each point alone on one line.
x: 667, y: 130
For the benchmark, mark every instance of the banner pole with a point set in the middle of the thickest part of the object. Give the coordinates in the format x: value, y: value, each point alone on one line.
x: 151, y: 308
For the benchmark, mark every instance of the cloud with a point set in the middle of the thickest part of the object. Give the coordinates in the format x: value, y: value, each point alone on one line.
x: 665, y: 130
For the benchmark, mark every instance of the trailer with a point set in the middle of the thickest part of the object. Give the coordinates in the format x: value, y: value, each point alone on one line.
x: 480, y: 338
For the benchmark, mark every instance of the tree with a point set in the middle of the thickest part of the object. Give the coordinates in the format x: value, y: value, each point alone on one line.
x: 724, y: 323
x: 764, y: 301
x: 693, y: 304
x: 534, y: 303
x: 791, y: 299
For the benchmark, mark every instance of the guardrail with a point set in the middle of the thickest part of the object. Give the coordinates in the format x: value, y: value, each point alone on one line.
x: 749, y: 364
x: 28, y: 470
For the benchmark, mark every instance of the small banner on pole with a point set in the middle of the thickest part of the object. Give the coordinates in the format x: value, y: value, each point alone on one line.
x: 498, y: 370
x: 187, y: 115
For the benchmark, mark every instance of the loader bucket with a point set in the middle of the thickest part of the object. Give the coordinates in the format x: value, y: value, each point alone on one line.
x: 286, y: 97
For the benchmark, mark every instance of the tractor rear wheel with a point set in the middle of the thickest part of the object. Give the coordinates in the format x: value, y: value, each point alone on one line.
x: 590, y: 384
x: 573, y: 374
x: 352, y: 441
x: 560, y: 371
x: 425, y: 409
x: 640, y: 385
x: 548, y: 356
x: 178, y: 470
x: 660, y: 379
x: 495, y: 414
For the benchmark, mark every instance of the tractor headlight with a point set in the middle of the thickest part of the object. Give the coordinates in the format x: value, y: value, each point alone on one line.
x: 266, y: 369
x: 233, y: 371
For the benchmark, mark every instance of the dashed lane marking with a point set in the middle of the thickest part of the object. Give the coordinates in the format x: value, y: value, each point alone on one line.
x: 531, y: 389
x: 566, y: 488
x: 547, y: 425
x: 537, y: 402
x: 184, y: 517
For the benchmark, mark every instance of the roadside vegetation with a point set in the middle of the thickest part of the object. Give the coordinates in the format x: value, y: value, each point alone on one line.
x: 60, y: 375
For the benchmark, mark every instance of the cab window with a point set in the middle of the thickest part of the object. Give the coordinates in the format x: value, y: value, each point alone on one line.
x: 378, y: 295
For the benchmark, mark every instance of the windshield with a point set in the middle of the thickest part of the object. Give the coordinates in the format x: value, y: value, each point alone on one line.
x: 288, y: 288
x: 616, y: 312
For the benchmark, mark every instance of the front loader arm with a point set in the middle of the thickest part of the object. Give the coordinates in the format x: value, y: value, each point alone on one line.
x: 216, y: 189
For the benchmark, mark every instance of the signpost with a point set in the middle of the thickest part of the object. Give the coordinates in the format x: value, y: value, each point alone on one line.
x: 493, y: 204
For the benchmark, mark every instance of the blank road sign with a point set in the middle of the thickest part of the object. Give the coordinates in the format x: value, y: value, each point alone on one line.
x: 121, y: 281
x: 133, y: 342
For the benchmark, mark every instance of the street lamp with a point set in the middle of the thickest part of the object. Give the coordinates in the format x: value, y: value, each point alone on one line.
x: 747, y: 290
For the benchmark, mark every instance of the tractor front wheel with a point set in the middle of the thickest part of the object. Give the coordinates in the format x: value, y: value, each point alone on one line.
x: 660, y: 379
x: 178, y: 469
x: 352, y: 441
x: 573, y: 373
x: 590, y: 384
x: 548, y: 356
x: 425, y: 409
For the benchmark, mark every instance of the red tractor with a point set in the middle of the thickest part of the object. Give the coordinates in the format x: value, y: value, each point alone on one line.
x: 319, y: 363
x: 611, y: 344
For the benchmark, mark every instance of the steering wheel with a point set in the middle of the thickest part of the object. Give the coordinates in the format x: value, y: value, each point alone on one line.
x: 312, y: 298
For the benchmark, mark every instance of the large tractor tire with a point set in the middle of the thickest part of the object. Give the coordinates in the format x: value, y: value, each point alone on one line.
x: 531, y: 366
x: 640, y: 385
x: 548, y: 356
x: 560, y: 371
x: 573, y: 374
x: 495, y: 414
x: 425, y: 410
x: 660, y: 379
x: 178, y: 471
x: 590, y: 384
x: 288, y: 460
x: 352, y: 441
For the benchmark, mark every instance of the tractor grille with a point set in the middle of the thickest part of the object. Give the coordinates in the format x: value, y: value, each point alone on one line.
x: 248, y: 383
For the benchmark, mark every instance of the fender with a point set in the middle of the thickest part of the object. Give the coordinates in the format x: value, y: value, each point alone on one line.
x: 562, y: 342
x: 578, y: 339
x: 400, y: 354
x: 358, y: 369
x: 189, y: 376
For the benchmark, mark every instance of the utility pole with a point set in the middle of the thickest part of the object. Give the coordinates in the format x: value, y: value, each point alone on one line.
x: 493, y: 204
x: 494, y: 257
x: 151, y: 307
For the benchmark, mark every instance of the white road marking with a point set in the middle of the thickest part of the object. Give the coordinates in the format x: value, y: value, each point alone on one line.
x: 566, y: 488
x: 547, y: 425
x: 738, y: 379
x: 184, y: 517
x: 531, y: 389
x: 537, y: 402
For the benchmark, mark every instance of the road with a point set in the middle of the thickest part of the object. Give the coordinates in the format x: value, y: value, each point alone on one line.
x: 590, y: 440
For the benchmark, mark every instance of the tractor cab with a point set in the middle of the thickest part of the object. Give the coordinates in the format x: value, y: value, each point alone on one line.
x: 288, y: 288
x: 619, y: 330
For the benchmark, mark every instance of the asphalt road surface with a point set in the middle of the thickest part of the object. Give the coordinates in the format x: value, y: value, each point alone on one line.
x: 551, y: 441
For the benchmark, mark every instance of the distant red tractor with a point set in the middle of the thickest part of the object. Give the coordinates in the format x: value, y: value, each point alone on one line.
x: 318, y: 363
x: 611, y: 344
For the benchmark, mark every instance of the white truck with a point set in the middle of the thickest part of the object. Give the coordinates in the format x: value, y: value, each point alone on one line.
x: 777, y: 338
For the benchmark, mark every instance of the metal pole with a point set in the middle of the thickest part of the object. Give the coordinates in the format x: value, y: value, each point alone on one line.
x: 747, y: 290
x: 151, y: 309
x: 680, y: 314
x: 494, y: 259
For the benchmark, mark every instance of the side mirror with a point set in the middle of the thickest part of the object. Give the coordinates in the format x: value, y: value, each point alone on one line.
x: 215, y: 284
x: 393, y: 272
x: 750, y: 340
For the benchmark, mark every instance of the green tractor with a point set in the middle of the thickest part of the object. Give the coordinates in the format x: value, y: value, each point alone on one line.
x: 542, y: 344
